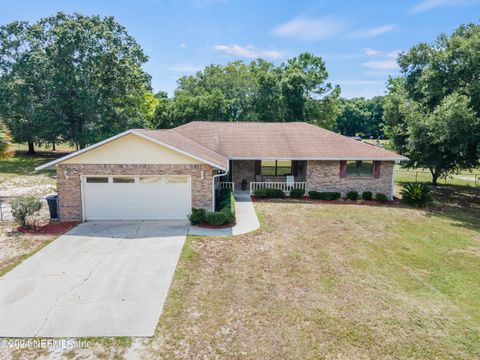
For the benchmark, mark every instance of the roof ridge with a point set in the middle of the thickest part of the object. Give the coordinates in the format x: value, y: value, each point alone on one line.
x: 196, y: 142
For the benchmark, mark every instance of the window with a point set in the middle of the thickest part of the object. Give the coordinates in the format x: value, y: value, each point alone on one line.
x: 276, y: 167
x: 176, y: 180
x: 123, y: 180
x: 359, y: 168
x: 97, y: 180
x: 150, y: 180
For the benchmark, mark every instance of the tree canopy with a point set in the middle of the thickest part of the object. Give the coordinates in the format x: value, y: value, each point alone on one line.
x: 432, y: 112
x: 359, y: 116
x: 259, y: 91
x: 72, y: 78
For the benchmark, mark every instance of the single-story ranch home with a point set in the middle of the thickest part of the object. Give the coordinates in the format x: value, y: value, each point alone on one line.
x: 161, y: 174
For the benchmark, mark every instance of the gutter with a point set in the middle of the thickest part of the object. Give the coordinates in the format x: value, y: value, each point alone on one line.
x: 213, y: 183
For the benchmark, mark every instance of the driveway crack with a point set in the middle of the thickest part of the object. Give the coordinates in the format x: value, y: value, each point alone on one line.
x: 75, y: 287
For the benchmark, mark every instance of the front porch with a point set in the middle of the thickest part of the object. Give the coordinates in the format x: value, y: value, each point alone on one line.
x: 250, y: 175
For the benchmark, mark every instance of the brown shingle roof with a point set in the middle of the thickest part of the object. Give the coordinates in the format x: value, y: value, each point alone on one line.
x: 178, y: 141
x: 295, y: 140
x: 216, y: 142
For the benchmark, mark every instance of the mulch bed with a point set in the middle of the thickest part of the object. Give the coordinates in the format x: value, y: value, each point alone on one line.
x: 224, y: 226
x: 307, y: 199
x: 51, y: 228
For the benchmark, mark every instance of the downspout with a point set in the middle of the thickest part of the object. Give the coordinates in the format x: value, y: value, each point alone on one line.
x: 213, y: 183
x: 392, y: 191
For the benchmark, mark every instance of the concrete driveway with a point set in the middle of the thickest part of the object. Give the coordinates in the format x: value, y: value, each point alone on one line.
x: 100, y: 279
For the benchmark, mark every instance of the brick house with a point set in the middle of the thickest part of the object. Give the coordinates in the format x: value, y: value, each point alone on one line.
x: 161, y: 174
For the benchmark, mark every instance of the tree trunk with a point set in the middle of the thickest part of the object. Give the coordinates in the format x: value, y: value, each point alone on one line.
x: 435, y: 176
x: 31, y: 148
x: 53, y: 145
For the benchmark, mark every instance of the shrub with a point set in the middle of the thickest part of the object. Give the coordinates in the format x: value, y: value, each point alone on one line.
x: 367, y: 195
x: 225, y: 215
x: 24, y: 207
x: 221, y: 196
x: 352, y: 195
x: 416, y: 194
x: 269, y: 193
x: 198, y: 216
x: 297, y: 193
x: 325, y: 195
x: 381, y: 197
x: 217, y: 218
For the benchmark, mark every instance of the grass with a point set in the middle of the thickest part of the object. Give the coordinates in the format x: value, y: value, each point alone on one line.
x: 464, y: 178
x: 23, y: 164
x: 321, y: 281
x: 330, y: 281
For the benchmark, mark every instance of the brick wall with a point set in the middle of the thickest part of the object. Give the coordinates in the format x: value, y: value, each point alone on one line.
x: 325, y: 176
x: 243, y: 169
x: 69, y: 189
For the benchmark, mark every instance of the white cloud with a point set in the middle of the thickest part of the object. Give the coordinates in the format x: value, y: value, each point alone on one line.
x: 248, y: 51
x: 394, y: 54
x: 381, y: 65
x: 183, y: 45
x: 182, y: 67
x: 372, y: 32
x: 309, y: 29
x: 427, y: 5
x: 372, y: 52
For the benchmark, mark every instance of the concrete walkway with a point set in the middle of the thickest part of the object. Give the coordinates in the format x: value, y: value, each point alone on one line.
x: 107, y: 278
x: 247, y: 220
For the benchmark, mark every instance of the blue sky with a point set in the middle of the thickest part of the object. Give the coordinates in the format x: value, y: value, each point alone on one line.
x: 359, y: 40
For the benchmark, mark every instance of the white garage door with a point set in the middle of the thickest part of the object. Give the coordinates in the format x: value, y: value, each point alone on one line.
x: 136, y: 197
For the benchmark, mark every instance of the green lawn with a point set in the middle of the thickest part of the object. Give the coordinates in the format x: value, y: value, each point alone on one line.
x: 320, y: 281
x: 18, y: 176
x: 24, y: 165
x: 464, y: 178
x: 330, y: 281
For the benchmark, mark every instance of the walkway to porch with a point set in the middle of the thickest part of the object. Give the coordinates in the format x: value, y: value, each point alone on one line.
x: 246, y: 217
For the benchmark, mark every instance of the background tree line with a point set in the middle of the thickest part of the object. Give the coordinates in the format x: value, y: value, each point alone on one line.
x: 78, y: 79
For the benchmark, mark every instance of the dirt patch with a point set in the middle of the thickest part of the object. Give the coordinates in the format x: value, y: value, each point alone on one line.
x: 15, y: 246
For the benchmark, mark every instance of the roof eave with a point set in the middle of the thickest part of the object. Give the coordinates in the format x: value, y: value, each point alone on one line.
x: 334, y: 158
x: 131, y: 131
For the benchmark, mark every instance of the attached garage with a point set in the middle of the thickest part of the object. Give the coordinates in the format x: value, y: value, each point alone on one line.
x: 137, y: 175
x: 143, y: 197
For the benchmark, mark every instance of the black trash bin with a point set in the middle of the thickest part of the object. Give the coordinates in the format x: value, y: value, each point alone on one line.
x: 52, y: 201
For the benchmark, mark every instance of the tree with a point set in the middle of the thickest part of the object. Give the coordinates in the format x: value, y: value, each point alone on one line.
x: 445, y: 140
x: 359, y: 116
x: 397, y: 108
x: 352, y: 117
x: 431, y: 114
x: 258, y: 91
x: 6, y: 145
x: 25, y: 81
x: 74, y: 77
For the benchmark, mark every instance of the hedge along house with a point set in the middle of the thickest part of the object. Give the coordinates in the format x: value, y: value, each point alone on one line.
x: 161, y: 174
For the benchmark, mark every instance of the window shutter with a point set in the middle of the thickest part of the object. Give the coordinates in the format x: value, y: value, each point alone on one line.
x: 343, y: 168
x: 295, y: 168
x: 258, y: 167
x: 376, y: 169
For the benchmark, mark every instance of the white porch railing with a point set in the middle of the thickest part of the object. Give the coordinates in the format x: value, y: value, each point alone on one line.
x: 284, y: 186
x: 225, y: 185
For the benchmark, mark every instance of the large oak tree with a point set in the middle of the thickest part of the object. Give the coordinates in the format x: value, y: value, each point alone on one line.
x: 73, y: 78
